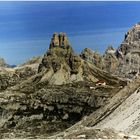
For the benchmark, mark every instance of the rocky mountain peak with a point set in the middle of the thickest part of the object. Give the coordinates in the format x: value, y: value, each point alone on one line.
x: 130, y: 53
x: 133, y: 34
x: 110, y: 61
x: 2, y: 62
x: 59, y: 40
x: 59, y: 53
x: 131, y: 41
x: 60, y: 61
x: 60, y: 65
x: 92, y: 56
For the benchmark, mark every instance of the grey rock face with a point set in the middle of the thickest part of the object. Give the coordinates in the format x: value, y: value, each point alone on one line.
x: 130, y: 53
x: 59, y: 51
x: 110, y: 60
x: 59, y: 40
x: 123, y: 62
x: 92, y: 57
x: 60, y: 65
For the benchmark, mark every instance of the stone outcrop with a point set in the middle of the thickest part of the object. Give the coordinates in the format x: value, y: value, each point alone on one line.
x: 110, y: 60
x: 129, y: 53
x: 59, y: 40
x: 131, y: 40
x: 59, y: 51
x: 93, y: 57
x: 60, y: 65
x: 60, y: 62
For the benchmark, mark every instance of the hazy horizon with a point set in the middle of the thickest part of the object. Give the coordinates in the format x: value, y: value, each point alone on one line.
x: 26, y: 28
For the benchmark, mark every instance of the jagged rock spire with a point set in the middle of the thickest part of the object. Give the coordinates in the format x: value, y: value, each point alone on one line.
x: 59, y: 40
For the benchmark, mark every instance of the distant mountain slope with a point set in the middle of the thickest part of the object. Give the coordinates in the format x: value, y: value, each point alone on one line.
x: 2, y: 63
x: 10, y: 76
x: 33, y: 60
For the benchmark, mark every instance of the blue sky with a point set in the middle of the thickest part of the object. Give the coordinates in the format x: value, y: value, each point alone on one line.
x: 27, y: 27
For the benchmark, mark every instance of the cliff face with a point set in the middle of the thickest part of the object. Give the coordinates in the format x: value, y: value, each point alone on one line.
x: 131, y: 40
x: 129, y: 52
x: 59, y: 55
x: 110, y: 61
x: 60, y: 64
x: 93, y: 57
x: 124, y: 61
